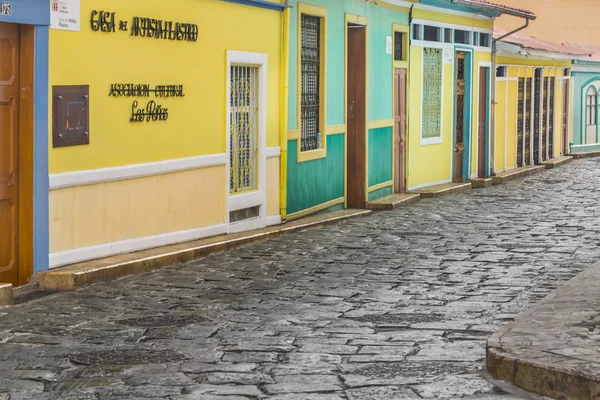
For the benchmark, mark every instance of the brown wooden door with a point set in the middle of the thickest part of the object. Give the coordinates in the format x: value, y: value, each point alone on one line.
x: 459, y: 118
x: 400, y: 130
x: 9, y: 152
x: 482, y: 143
x: 356, y: 116
x: 565, y: 118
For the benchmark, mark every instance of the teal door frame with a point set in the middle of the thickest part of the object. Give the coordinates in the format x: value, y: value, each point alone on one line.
x: 467, y: 114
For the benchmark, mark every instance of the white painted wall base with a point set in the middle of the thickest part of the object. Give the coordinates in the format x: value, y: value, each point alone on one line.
x: 425, y: 185
x: 131, y: 245
x: 274, y: 220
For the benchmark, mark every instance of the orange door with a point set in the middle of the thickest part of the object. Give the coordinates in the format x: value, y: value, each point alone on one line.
x: 400, y: 130
x: 9, y: 152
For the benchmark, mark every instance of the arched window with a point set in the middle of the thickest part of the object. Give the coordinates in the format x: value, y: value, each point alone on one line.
x: 591, y: 106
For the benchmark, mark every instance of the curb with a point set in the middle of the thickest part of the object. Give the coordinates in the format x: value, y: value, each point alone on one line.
x: 527, y: 372
x: 77, y: 276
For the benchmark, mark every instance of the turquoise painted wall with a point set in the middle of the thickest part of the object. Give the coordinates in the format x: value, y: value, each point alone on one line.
x: 381, y: 160
x: 580, y: 81
x: 376, y: 194
x: 315, y: 182
x: 380, y: 22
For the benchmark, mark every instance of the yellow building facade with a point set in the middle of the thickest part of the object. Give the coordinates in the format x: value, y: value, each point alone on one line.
x: 450, y: 64
x: 533, y: 102
x: 165, y: 124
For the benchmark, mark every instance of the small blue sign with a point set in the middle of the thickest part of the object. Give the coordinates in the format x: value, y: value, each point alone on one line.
x: 5, y: 8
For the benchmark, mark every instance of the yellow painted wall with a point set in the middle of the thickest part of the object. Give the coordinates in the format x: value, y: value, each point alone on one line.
x: 110, y: 212
x: 272, y: 186
x: 428, y: 163
x: 452, y: 19
x: 506, y: 120
x: 557, y: 20
x: 196, y: 124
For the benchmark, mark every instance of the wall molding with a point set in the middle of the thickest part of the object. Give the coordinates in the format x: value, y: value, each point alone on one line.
x: 425, y: 185
x: 381, y: 123
x: 273, y: 152
x: 62, y: 258
x: 315, y: 209
x: 382, y: 185
x: 133, y: 171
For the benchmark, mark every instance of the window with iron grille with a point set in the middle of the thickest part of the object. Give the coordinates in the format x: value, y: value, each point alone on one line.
x: 310, y: 65
x: 432, y: 92
x: 398, y: 46
x: 243, y: 131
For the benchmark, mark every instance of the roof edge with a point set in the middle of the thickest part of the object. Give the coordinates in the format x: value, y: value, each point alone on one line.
x: 491, y: 7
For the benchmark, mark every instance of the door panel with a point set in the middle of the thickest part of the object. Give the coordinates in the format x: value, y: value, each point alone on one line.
x: 400, y: 130
x: 9, y: 152
x: 482, y: 144
x: 356, y: 116
x: 459, y: 118
x: 565, y: 119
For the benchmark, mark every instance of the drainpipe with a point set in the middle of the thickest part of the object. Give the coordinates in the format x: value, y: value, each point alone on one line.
x: 283, y: 112
x: 494, y: 103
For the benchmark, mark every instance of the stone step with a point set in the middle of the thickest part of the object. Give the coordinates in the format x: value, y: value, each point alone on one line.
x: 76, y: 276
x: 555, y: 162
x: 393, y: 201
x: 504, y: 177
x: 7, y: 298
x: 442, y: 190
x: 481, y: 183
x: 587, y: 154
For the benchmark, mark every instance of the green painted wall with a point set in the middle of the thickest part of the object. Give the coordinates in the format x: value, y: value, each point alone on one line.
x: 380, y: 156
x: 376, y: 194
x: 315, y: 182
x: 581, y: 81
x: 311, y: 183
x: 380, y: 22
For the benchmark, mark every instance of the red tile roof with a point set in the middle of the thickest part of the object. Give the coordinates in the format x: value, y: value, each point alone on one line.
x: 503, y: 6
x: 592, y: 49
x: 530, y: 42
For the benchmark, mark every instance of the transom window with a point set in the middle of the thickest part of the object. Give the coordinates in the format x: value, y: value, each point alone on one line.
x: 432, y: 33
x: 310, y: 64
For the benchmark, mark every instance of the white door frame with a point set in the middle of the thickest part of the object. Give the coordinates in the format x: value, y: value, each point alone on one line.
x: 258, y: 197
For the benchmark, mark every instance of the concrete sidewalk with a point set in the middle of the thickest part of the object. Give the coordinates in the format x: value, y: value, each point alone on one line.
x: 554, y: 348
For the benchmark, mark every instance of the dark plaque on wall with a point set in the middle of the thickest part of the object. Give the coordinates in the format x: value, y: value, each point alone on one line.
x: 70, y: 116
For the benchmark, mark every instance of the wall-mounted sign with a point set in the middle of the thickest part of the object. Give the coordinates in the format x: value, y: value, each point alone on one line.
x: 5, y: 8
x: 105, y: 21
x: 388, y: 45
x: 65, y: 15
x: 152, y: 111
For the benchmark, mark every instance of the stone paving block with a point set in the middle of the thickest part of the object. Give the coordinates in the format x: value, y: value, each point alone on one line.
x: 6, y: 295
x: 400, y: 291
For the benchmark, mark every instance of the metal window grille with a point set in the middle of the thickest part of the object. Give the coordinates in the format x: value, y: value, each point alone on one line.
x: 545, y: 120
x: 310, y: 64
x: 520, y: 116
x: 551, y: 106
x: 536, y: 114
x: 528, y: 99
x: 243, y: 131
x: 432, y: 92
x: 398, y: 45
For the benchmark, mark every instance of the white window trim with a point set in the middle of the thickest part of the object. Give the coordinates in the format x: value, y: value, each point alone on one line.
x: 258, y: 198
x: 440, y: 139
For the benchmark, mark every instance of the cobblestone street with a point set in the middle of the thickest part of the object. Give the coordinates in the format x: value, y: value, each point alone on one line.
x: 396, y: 305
